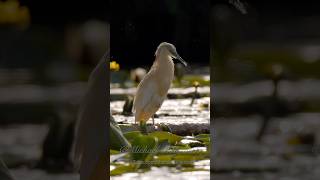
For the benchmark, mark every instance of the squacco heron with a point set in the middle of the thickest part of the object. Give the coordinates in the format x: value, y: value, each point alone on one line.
x: 153, y: 89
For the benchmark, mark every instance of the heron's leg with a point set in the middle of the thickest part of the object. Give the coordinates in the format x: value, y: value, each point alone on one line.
x: 152, y: 119
x: 143, y: 127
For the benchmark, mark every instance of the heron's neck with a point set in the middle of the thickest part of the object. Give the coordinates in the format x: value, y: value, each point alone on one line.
x: 164, y: 60
x: 164, y: 68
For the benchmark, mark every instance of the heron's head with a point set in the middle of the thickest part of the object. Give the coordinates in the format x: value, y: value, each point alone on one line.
x: 170, y: 50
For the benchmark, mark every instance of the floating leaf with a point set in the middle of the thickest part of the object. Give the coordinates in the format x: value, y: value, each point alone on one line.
x: 163, y: 160
x: 112, y: 152
x: 142, y: 146
x: 132, y: 135
x: 205, y: 138
x: 202, y: 136
x: 184, y: 159
x: 163, y: 135
x: 120, y: 169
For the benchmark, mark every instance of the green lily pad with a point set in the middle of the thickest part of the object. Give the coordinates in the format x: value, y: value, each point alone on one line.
x: 113, y: 152
x: 184, y: 160
x: 163, y: 157
x: 187, y: 160
x: 132, y: 135
x: 163, y: 135
x: 143, y: 146
x: 163, y: 160
x: 205, y: 138
x: 180, y: 146
x: 121, y: 169
x: 202, y: 136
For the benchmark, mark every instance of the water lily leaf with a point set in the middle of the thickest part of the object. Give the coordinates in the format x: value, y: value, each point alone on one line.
x: 188, y: 160
x: 202, y: 136
x: 132, y: 135
x: 180, y: 146
x: 163, y: 135
x: 113, y: 152
x: 120, y: 169
x: 163, y: 157
x: 205, y: 138
x: 163, y: 160
x: 184, y: 160
x: 142, y: 146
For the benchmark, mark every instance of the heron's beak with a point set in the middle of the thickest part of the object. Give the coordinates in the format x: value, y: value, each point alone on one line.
x: 181, y: 60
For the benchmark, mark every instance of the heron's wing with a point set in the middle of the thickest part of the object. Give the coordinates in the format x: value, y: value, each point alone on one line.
x: 145, y: 91
x: 92, y: 128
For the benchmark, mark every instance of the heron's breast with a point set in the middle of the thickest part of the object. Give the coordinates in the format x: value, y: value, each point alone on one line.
x: 164, y: 74
x: 164, y: 84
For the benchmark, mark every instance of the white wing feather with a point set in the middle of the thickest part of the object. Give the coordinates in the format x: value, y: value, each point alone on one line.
x: 145, y: 91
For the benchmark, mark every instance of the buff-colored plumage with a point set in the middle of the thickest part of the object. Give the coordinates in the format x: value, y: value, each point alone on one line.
x: 153, y: 89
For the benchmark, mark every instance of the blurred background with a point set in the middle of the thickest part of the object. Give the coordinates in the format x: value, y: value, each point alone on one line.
x: 138, y: 27
x: 145, y: 24
x: 265, y: 89
x: 47, y: 50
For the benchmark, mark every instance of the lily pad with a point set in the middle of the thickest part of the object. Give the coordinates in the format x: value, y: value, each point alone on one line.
x: 163, y: 160
x: 121, y: 169
x: 142, y: 146
x: 132, y: 135
x: 113, y: 152
x: 163, y: 135
x: 202, y: 136
x: 205, y: 138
